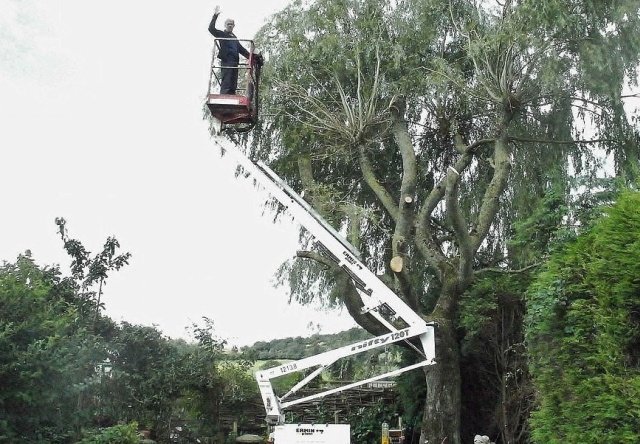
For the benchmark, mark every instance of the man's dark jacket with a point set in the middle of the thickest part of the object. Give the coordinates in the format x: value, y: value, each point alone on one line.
x: 229, y: 49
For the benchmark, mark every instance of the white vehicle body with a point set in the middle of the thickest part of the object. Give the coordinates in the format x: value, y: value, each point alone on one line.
x: 312, y: 434
x: 378, y: 299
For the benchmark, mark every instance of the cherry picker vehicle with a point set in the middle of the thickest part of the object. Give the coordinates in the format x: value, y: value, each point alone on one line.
x: 378, y: 300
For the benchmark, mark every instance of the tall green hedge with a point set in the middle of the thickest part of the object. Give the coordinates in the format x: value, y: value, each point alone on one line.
x: 583, y: 334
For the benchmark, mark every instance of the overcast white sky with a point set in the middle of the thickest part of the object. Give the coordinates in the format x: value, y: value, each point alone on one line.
x: 100, y: 123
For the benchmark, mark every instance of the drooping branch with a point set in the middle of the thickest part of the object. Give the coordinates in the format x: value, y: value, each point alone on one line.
x: 350, y: 296
x: 327, y: 207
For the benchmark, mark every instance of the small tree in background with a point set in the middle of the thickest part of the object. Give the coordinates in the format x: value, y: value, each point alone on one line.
x: 89, y: 271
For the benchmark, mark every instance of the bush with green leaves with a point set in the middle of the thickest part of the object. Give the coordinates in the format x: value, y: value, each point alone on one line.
x: 118, y: 434
x: 583, y: 334
x: 65, y: 367
x: 47, y: 354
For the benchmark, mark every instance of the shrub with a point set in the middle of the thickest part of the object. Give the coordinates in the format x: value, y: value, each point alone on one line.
x: 119, y: 434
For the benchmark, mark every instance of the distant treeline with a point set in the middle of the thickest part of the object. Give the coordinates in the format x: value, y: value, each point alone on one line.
x: 299, y: 347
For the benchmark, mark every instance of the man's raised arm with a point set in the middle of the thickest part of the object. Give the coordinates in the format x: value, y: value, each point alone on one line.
x: 212, y: 26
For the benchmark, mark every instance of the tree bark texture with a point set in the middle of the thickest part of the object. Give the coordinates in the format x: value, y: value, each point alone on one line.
x: 441, y: 420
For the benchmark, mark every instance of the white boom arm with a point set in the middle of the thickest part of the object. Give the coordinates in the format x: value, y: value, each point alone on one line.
x: 374, y: 293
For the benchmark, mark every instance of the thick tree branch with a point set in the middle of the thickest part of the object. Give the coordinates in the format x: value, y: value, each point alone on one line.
x: 306, y: 254
x: 490, y: 201
x: 477, y: 144
x: 370, y: 179
x: 425, y: 242
x: 407, y: 292
x: 558, y: 142
x: 458, y: 223
x: 402, y: 235
x: 507, y: 271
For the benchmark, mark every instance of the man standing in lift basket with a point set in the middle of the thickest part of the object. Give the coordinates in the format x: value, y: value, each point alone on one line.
x: 229, y: 53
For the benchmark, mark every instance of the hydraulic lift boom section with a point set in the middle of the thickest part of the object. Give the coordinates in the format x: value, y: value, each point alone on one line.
x: 378, y: 300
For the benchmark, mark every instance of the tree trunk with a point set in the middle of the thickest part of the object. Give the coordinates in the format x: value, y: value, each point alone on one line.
x: 441, y: 420
x: 442, y: 410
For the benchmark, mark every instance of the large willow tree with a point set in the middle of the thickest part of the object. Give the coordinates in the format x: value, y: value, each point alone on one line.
x: 425, y: 128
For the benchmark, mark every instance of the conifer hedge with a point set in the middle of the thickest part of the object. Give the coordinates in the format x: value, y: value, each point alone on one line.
x: 583, y: 334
